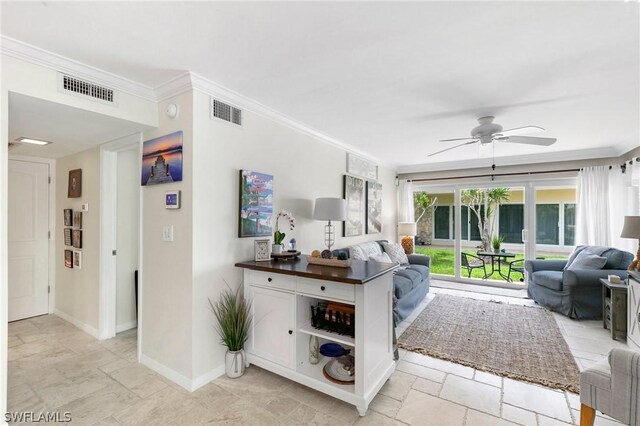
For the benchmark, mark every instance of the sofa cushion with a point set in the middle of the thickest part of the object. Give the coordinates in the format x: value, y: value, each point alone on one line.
x: 396, y: 253
x: 423, y: 270
x: 548, y: 279
x: 617, y: 259
x: 402, y: 285
x: 586, y: 260
x: 383, y: 258
x: 364, y: 251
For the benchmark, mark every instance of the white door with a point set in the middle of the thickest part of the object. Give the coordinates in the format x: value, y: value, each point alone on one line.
x: 28, y: 239
x: 273, y: 334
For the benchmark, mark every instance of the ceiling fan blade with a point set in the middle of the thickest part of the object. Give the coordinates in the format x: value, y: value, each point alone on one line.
x: 453, y: 147
x: 458, y: 139
x: 521, y: 131
x: 530, y: 140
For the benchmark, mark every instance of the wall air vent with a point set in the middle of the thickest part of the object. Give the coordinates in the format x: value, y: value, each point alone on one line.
x: 69, y: 84
x: 225, y: 112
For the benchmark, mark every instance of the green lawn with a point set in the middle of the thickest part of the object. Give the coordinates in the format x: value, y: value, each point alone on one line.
x: 442, y: 263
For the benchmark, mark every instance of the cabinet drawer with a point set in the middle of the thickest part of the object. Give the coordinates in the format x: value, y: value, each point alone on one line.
x: 280, y: 281
x: 326, y: 289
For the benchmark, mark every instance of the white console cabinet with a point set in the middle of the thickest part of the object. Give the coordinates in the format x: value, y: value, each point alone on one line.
x: 633, y: 311
x: 282, y: 294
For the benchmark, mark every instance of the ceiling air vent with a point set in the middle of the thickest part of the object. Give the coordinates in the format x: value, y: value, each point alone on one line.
x: 226, y: 112
x: 86, y: 88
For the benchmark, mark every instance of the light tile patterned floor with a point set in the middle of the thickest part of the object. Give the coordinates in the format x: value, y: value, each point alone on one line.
x: 53, y: 366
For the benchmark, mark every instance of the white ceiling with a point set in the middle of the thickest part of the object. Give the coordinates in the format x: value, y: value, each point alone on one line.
x: 70, y: 130
x: 386, y: 78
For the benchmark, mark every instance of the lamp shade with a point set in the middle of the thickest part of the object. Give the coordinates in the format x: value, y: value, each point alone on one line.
x: 407, y: 228
x: 631, y: 228
x: 330, y: 209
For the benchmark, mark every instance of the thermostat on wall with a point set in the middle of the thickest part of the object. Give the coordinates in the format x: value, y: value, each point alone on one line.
x: 172, y: 199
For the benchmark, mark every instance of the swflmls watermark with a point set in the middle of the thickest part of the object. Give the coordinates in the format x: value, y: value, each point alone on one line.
x: 33, y: 417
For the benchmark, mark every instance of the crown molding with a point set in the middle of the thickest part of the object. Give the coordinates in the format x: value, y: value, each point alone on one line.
x: 29, y: 53
x: 208, y: 87
x: 547, y: 157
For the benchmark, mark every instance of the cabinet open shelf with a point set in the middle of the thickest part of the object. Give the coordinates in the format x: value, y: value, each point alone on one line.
x: 315, y: 372
x: 328, y: 335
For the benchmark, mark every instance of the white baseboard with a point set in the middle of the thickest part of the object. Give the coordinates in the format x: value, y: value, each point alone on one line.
x: 82, y: 326
x: 126, y: 326
x: 204, y: 379
x: 174, y: 376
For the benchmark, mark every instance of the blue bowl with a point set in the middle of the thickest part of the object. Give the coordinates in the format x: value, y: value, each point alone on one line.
x: 333, y: 350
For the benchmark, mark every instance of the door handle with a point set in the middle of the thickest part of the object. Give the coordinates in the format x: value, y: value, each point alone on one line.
x: 525, y: 235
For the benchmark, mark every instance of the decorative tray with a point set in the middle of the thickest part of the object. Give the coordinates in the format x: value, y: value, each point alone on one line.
x: 285, y: 255
x: 340, y: 370
x: 329, y: 262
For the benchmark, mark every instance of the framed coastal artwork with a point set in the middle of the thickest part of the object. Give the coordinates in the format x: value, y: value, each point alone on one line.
x: 77, y: 220
x: 77, y: 259
x: 360, y: 167
x: 74, y: 189
x: 374, y: 208
x: 76, y: 238
x: 68, y: 258
x: 162, y: 159
x: 355, y: 199
x: 67, y: 236
x: 68, y: 217
x: 256, y: 204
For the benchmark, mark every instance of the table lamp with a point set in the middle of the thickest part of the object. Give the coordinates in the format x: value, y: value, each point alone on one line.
x: 407, y: 230
x: 330, y: 209
x: 631, y: 229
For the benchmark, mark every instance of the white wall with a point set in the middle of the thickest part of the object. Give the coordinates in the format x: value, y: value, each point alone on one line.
x: 127, y: 237
x: 167, y: 267
x: 19, y: 76
x: 303, y: 167
x: 77, y: 290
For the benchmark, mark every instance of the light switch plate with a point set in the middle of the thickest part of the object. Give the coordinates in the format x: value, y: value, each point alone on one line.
x: 167, y: 233
x: 84, y: 207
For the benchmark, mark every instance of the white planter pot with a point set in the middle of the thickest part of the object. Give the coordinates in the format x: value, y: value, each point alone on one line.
x: 234, y: 363
x: 276, y: 248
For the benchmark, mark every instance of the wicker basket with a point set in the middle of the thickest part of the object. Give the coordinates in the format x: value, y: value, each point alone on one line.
x: 329, y: 262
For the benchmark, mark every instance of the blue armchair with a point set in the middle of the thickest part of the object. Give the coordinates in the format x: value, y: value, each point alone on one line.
x: 576, y: 293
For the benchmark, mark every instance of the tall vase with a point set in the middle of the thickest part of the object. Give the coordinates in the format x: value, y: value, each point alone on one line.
x: 234, y: 363
x: 314, y: 350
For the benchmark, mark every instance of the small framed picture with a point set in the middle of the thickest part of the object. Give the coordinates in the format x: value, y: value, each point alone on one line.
x: 172, y: 199
x: 67, y: 236
x: 68, y: 258
x: 77, y: 259
x: 75, y: 184
x: 77, y: 220
x: 261, y: 249
x: 68, y: 217
x: 76, y: 238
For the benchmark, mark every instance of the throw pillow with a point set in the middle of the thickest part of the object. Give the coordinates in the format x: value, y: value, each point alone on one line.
x: 586, y: 260
x: 573, y: 256
x: 396, y: 253
x: 364, y: 251
x: 356, y: 253
x: 383, y: 258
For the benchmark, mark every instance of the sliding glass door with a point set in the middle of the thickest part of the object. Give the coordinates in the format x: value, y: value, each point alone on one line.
x: 435, y: 217
x: 555, y: 221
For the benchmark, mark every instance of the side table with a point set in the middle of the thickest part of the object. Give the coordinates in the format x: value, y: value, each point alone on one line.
x: 614, y: 308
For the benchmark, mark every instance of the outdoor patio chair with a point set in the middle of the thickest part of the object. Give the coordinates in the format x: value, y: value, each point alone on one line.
x: 516, y: 266
x: 475, y: 263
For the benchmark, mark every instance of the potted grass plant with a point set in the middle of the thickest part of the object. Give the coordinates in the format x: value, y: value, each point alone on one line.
x: 496, y: 242
x: 233, y: 313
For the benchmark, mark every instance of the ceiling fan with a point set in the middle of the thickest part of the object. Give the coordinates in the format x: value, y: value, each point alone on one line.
x: 488, y: 132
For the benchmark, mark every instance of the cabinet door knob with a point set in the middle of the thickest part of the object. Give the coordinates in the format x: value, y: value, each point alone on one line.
x: 322, y: 288
x: 639, y: 317
x: 269, y: 279
x: 290, y: 331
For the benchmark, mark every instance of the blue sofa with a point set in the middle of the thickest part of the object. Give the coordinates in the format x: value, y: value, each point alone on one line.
x: 576, y: 293
x: 410, y: 282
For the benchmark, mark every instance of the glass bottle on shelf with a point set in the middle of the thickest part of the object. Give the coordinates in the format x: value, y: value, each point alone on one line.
x: 314, y: 350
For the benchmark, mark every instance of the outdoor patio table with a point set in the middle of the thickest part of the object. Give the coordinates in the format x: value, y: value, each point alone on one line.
x: 496, y: 258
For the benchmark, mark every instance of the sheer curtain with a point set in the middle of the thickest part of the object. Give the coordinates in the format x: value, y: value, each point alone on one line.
x: 406, y: 211
x: 592, y: 221
x: 605, y: 196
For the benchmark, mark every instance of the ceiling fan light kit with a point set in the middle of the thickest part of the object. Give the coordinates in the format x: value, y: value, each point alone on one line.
x: 487, y: 132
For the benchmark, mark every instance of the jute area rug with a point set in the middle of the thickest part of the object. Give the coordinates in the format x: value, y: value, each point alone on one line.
x: 519, y: 342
